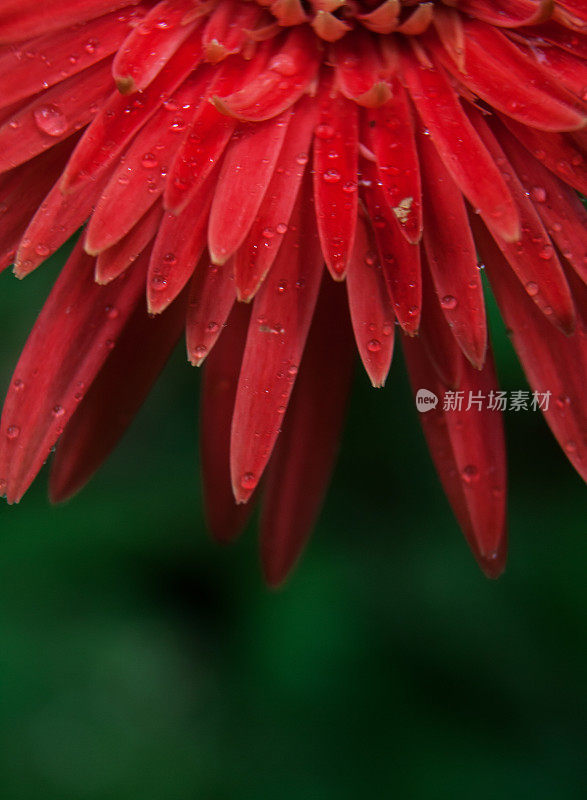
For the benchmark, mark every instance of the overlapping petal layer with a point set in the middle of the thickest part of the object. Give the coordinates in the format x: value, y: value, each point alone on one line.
x: 226, y: 152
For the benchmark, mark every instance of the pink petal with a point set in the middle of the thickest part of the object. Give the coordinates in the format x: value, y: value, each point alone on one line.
x: 289, y: 75
x: 245, y: 174
x: 464, y: 155
x: 115, y: 396
x: 451, y: 256
x: 255, y: 257
x: 468, y: 450
x: 76, y: 330
x: 370, y: 307
x: 336, y: 179
x: 121, y: 117
x: 280, y: 321
x: 389, y: 133
x: 301, y: 465
x: 224, y: 516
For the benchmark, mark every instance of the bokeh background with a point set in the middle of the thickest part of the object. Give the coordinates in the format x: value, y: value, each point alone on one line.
x: 140, y: 660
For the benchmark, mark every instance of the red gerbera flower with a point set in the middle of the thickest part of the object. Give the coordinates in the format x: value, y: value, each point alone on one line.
x: 223, y: 151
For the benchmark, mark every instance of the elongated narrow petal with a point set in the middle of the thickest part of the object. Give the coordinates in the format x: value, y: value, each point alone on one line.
x: 255, y: 257
x: 390, y: 135
x: 226, y: 31
x: 360, y: 73
x: 281, y: 317
x: 508, y: 13
x: 288, y: 76
x: 50, y: 378
x: 336, y: 179
x: 370, y: 306
x: 245, y: 174
x: 151, y: 44
x: 451, y: 256
x: 224, y: 516
x: 300, y: 468
x: 113, y: 262
x: 400, y: 260
x: 461, y: 150
x: 212, y: 297
x: 555, y: 364
x: 121, y: 117
x: 436, y: 335
x: 114, y: 398
x: 533, y: 258
x: 468, y: 450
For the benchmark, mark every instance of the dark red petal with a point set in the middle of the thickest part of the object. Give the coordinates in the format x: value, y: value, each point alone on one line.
x: 508, y: 13
x: 178, y: 247
x: 53, y: 115
x: 400, y: 260
x: 553, y: 362
x: 114, y: 397
x: 468, y: 450
x: 451, y: 256
x: 212, y: 297
x: 113, y: 262
x: 300, y: 468
x: 335, y: 179
x: 464, y: 155
x: 533, y: 258
x: 140, y: 177
x: 500, y: 73
x: 151, y: 44
x: 75, y: 332
x: 23, y: 19
x: 370, y: 306
x: 389, y: 133
x: 280, y: 321
x: 436, y: 336
x: 255, y: 257
x: 121, y: 117
x: 43, y: 62
x: 288, y: 76
x: 560, y: 209
x: 224, y: 516
x: 557, y: 151
x: 245, y: 174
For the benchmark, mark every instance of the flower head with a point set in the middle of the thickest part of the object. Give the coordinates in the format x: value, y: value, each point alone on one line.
x: 222, y: 152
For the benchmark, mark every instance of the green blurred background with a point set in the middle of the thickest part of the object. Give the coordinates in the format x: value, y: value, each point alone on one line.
x: 140, y: 660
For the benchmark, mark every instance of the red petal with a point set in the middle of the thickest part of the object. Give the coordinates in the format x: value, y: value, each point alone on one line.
x: 557, y: 151
x: 212, y: 297
x: 151, y: 44
x: 335, y: 179
x: 508, y: 13
x: 389, y: 132
x: 300, y: 468
x: 113, y: 262
x: 562, y: 66
x: 533, y: 257
x: 370, y: 307
x: 177, y: 249
x: 121, y: 117
x: 140, y: 176
x: 225, y: 518
x: 23, y: 19
x: 228, y: 29
x: 400, y: 259
x: 277, y: 334
x: 254, y: 259
x: 468, y: 450
x: 43, y: 62
x: 245, y: 174
x: 74, y: 334
x: 500, y: 73
x: 53, y: 115
x: 553, y: 362
x: 114, y: 398
x: 359, y: 70
x: 463, y: 153
x: 451, y: 256
x: 288, y: 76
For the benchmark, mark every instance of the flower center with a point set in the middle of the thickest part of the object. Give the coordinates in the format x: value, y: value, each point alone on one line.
x: 332, y: 19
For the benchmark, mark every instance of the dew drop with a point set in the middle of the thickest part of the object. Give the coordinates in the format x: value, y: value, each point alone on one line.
x: 532, y: 288
x: 448, y: 302
x: 470, y: 473
x: 58, y: 411
x: 324, y: 131
x: 373, y: 345
x: 248, y: 481
x: 50, y: 120
x: 149, y: 161
x: 158, y: 283
x: 331, y: 176
x: 18, y: 385
x: 538, y: 193
x: 13, y: 432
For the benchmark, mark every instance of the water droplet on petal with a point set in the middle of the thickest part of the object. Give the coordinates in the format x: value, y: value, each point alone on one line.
x: 13, y: 432
x: 470, y: 473
x: 532, y: 288
x: 448, y: 302
x: 248, y: 481
x: 373, y: 345
x: 50, y: 120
